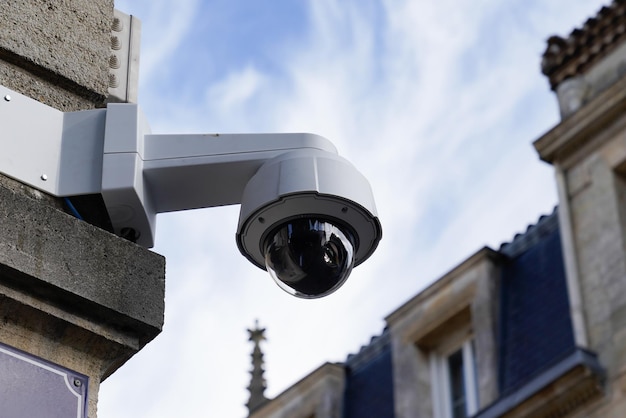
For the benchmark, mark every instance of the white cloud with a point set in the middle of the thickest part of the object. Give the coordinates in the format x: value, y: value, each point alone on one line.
x: 236, y: 89
x: 228, y: 96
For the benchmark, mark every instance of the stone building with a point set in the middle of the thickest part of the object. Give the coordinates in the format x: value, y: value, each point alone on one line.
x: 536, y: 328
x: 76, y: 302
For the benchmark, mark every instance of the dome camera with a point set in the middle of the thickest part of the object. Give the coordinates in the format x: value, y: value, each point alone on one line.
x: 308, y: 217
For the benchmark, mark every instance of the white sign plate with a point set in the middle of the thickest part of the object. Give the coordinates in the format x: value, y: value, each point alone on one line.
x: 31, y: 387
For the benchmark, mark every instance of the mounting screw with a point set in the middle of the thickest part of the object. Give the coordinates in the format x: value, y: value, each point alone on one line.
x: 116, y: 45
x: 113, y: 81
x: 114, y: 62
x: 78, y: 383
x: 117, y: 26
x: 7, y: 98
x: 44, y: 177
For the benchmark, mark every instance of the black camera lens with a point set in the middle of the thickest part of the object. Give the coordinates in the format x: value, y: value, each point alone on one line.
x: 309, y: 257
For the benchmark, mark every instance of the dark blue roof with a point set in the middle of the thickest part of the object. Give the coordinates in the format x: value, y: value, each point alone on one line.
x: 535, y: 324
x: 535, y: 330
x: 369, y: 381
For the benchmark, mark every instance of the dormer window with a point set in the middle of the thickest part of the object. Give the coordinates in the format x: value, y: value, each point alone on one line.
x: 444, y: 343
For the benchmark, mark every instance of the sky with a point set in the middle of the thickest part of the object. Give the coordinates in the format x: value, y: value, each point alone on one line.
x: 437, y: 103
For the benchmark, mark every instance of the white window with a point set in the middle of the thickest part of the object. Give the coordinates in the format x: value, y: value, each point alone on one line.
x: 453, y: 375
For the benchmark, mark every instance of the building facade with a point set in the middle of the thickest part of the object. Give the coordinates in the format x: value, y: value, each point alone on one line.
x: 536, y: 328
x: 76, y: 301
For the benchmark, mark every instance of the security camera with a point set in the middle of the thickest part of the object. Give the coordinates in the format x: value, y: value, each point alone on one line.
x: 307, y: 215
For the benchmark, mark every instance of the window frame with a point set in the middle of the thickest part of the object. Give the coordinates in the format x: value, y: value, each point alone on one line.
x: 440, y: 379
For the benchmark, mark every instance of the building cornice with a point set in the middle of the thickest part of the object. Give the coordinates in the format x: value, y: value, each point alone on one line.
x: 308, y: 391
x: 577, y: 131
x: 567, y: 385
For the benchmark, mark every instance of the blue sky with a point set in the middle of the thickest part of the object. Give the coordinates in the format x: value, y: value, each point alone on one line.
x: 437, y: 103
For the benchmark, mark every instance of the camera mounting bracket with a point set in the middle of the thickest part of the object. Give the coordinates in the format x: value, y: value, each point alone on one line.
x: 113, y: 152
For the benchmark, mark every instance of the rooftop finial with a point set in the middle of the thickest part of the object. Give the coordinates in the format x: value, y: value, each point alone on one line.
x: 257, y: 382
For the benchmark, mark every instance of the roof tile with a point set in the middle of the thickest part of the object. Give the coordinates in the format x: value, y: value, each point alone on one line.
x: 571, y: 56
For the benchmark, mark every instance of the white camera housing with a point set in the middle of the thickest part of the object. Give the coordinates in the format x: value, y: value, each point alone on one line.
x: 307, y: 183
x: 277, y: 178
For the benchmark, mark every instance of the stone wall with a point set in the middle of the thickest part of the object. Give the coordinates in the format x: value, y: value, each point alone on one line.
x: 57, y: 52
x: 589, y: 150
x: 70, y: 292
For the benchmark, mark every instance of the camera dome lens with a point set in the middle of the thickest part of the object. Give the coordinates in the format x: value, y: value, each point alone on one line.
x: 309, y: 258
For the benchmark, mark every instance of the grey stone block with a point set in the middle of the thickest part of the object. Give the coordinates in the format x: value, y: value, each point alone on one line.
x: 65, y: 43
x: 80, y: 268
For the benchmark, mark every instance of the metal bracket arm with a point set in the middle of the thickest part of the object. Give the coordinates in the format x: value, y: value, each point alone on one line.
x: 144, y: 174
x: 113, y: 152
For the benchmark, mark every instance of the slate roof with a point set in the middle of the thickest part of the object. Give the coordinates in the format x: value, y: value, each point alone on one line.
x: 369, y: 381
x: 535, y: 330
x: 535, y: 324
x: 533, y: 235
x: 573, y: 55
